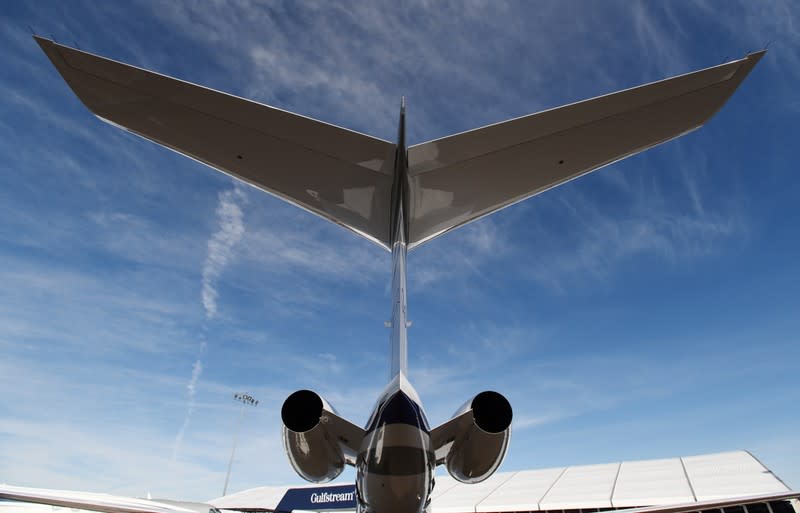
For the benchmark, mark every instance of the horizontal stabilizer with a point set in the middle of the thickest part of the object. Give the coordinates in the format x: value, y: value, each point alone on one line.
x: 463, y: 177
x: 347, y: 177
x: 341, y: 175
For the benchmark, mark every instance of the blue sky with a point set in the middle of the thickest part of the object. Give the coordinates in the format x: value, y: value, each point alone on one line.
x: 648, y: 310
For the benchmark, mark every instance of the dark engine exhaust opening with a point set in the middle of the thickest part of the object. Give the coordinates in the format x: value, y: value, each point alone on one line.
x: 301, y: 411
x: 492, y: 412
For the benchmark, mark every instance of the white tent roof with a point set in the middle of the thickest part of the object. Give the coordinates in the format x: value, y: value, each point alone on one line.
x: 723, y: 475
x: 266, y: 497
x: 654, y: 483
x: 611, y: 485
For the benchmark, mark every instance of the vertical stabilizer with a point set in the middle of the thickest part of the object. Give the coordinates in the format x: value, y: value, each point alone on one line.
x: 399, y: 238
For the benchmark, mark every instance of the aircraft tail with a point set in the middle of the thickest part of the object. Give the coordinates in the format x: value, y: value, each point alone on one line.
x: 349, y: 178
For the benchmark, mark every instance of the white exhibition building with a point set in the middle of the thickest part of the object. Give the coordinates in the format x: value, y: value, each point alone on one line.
x: 587, y: 488
x: 573, y: 489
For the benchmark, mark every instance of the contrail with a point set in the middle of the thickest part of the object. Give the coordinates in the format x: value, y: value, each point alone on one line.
x: 230, y: 228
x: 197, y: 369
x: 220, y: 245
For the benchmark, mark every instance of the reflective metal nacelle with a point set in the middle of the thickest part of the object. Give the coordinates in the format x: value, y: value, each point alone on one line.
x: 312, y: 450
x: 480, y: 448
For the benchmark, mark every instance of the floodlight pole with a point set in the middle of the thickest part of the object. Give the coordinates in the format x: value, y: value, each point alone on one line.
x: 245, y: 399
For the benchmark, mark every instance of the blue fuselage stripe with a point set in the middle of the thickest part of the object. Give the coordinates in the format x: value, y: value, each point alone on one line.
x: 399, y: 408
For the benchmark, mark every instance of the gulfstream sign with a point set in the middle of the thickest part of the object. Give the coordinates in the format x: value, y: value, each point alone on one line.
x: 325, y: 498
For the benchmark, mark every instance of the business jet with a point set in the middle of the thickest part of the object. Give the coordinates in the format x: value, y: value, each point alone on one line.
x: 398, y: 197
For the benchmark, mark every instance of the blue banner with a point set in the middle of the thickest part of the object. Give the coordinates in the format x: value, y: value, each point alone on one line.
x: 324, y: 498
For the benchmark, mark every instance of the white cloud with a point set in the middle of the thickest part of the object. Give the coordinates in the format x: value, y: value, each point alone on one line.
x: 220, y: 245
x: 191, y: 387
x: 466, y: 250
x: 534, y: 421
x: 576, y: 236
x: 197, y: 369
x: 303, y: 247
x: 115, y: 437
x: 230, y: 228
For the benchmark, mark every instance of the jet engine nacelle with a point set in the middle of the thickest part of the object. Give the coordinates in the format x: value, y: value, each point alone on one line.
x: 314, y: 452
x: 479, y: 448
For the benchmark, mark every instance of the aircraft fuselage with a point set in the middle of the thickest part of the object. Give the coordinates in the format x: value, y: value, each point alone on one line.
x: 396, y: 462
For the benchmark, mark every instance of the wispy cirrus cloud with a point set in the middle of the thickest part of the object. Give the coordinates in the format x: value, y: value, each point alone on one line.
x: 466, y: 251
x: 660, y: 208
